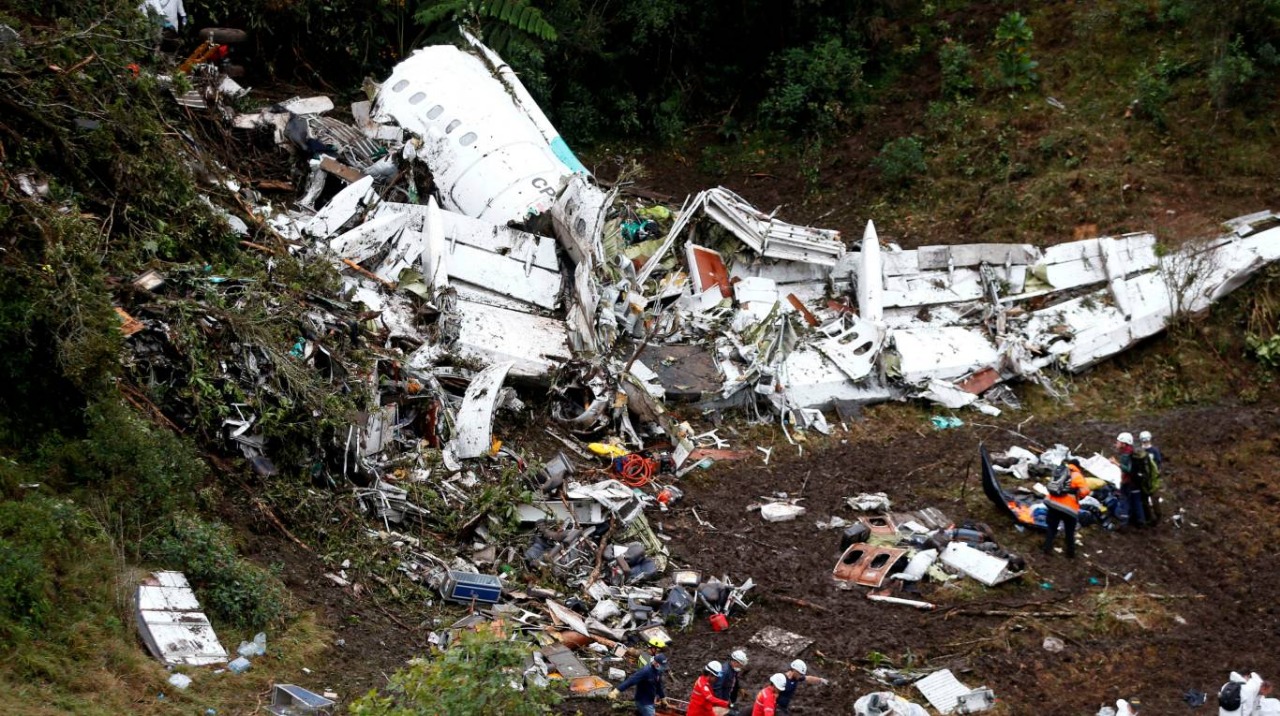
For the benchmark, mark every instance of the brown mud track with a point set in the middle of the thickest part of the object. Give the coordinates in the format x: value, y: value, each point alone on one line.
x: 1219, y: 577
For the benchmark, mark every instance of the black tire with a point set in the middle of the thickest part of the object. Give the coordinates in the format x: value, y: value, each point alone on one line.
x: 223, y: 35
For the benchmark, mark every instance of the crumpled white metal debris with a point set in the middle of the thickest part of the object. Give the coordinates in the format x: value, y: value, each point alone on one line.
x: 792, y: 318
x: 172, y: 625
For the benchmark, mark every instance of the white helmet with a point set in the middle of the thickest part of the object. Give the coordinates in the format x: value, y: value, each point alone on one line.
x: 739, y: 656
x: 799, y: 667
x: 1145, y: 436
x: 1125, y: 438
x: 779, y: 681
x: 714, y: 668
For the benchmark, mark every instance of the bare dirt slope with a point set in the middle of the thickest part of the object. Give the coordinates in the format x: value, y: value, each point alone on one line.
x: 1213, y: 580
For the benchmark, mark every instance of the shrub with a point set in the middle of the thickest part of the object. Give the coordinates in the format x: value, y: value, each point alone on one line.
x: 957, y: 65
x: 814, y: 87
x: 230, y: 588
x: 1153, y: 92
x: 1013, y: 52
x: 34, y: 533
x: 1265, y: 350
x: 143, y: 471
x: 901, y: 161
x: 1231, y: 73
x: 479, y: 674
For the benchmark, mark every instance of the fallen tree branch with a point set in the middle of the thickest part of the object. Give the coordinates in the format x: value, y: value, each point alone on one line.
x: 271, y: 516
x: 801, y: 603
x: 369, y: 274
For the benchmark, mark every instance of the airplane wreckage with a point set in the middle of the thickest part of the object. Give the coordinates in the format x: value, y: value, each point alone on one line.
x: 521, y: 263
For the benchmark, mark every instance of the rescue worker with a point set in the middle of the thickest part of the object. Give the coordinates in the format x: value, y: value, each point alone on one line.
x: 1151, y: 486
x: 796, y: 675
x: 1144, y: 437
x: 767, y: 699
x: 1064, y: 509
x: 1128, y: 486
x: 727, y: 686
x: 656, y: 645
x: 1145, y: 476
x: 703, y: 701
x: 1240, y: 696
x: 648, y: 684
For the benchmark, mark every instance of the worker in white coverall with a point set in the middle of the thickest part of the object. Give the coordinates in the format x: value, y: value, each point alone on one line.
x: 1254, y: 697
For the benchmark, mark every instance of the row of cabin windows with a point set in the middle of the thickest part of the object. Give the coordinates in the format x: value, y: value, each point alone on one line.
x: 416, y: 98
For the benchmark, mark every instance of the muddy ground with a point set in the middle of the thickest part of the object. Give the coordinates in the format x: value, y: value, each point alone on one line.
x: 1213, y: 580
x: 1200, y: 601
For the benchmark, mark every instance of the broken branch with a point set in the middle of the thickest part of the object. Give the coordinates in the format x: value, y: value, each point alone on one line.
x: 801, y: 603
x: 271, y: 516
x: 368, y: 274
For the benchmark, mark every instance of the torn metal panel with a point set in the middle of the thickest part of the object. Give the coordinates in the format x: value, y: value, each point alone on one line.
x: 616, y: 497
x: 985, y: 568
x: 707, y: 269
x: 368, y: 239
x: 379, y: 430
x: 566, y: 616
x: 781, y: 641
x: 1080, y: 263
x: 942, y: 690
x: 332, y: 166
x: 811, y: 380
x: 491, y: 334
x: 488, y: 157
x: 686, y: 372
x: 855, y: 349
x: 171, y: 623
x: 1103, y: 468
x: 290, y: 700
x: 769, y: 236
x: 584, y: 511
x: 880, y: 525
x: 495, y: 260
x: 341, y: 209
x: 307, y: 105
x: 473, y: 429
x: 529, y: 249
x: 763, y: 291
x: 867, y: 565
x: 947, y: 394
x: 966, y: 255
x: 128, y: 324
x: 945, y: 353
x: 980, y: 381
x: 560, y: 658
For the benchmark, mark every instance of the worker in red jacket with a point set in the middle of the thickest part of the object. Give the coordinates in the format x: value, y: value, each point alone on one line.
x: 767, y: 699
x: 703, y: 701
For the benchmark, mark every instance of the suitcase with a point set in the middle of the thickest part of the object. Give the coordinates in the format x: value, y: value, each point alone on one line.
x: 465, y: 587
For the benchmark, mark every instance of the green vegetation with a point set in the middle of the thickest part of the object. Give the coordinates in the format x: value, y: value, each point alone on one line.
x: 901, y: 161
x: 1013, y: 53
x: 473, y: 677
x: 1003, y: 125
